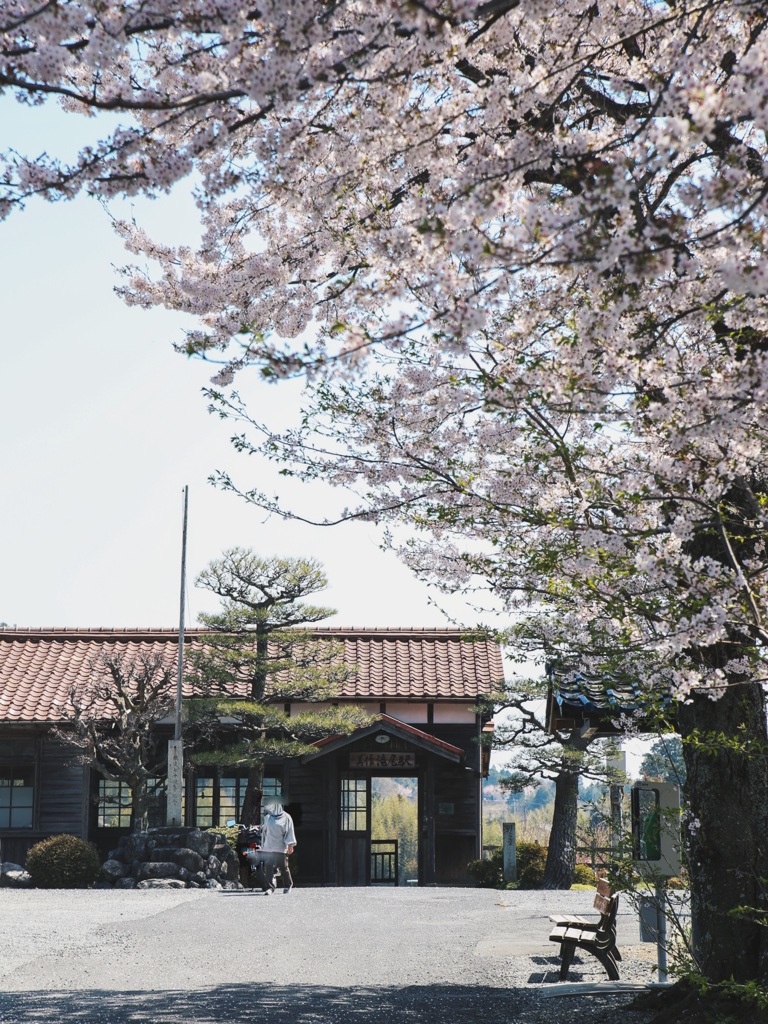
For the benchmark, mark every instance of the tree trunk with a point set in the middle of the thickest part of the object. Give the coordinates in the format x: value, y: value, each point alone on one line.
x: 727, y: 792
x: 139, y: 805
x: 561, y: 853
x: 250, y: 813
x: 251, y: 809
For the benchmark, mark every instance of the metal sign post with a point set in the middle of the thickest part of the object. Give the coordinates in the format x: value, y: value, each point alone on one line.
x: 656, y: 840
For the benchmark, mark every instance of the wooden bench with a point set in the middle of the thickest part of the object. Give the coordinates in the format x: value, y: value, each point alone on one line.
x: 596, y: 937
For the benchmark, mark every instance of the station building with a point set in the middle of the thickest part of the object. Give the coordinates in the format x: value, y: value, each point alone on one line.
x: 426, y: 736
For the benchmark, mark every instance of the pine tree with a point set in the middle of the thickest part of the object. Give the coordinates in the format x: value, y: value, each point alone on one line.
x: 254, y: 660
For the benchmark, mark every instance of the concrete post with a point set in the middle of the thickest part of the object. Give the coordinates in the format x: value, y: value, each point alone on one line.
x: 174, y: 784
x: 509, y: 851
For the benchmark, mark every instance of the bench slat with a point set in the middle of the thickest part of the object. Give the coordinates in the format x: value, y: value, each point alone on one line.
x: 565, y: 919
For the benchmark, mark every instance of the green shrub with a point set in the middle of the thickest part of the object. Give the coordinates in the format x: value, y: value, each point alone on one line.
x: 63, y: 862
x: 487, y: 873
x: 531, y: 861
x: 230, y: 833
x: 584, y: 875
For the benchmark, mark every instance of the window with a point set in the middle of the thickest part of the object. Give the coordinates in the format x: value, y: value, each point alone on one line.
x: 114, y: 804
x: 219, y: 800
x: 17, y: 787
x: 354, y: 805
x: 204, y: 802
x: 272, y: 790
x: 17, y: 781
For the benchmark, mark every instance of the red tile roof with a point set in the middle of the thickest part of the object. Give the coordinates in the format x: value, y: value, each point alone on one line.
x: 40, y: 667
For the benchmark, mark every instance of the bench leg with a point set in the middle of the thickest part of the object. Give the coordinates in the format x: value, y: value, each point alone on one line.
x: 606, y: 959
x: 567, y: 949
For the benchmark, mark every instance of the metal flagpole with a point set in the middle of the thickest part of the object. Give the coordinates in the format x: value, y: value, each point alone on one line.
x: 175, y: 766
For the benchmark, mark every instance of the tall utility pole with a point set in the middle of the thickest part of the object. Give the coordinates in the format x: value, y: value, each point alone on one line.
x: 175, y: 761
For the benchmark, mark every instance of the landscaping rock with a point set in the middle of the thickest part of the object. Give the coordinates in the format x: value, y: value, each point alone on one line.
x: 203, y: 842
x: 158, y: 869
x: 113, y: 869
x: 126, y: 883
x: 13, y: 876
x: 161, y: 883
x: 132, y: 847
x: 184, y: 857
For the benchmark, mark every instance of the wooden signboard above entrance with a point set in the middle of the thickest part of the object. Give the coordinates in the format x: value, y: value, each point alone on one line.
x: 382, y: 759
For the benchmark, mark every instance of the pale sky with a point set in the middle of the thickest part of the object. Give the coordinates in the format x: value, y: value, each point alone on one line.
x: 103, y: 425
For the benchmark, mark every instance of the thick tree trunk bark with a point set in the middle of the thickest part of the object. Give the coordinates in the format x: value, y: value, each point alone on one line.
x: 727, y: 791
x: 250, y: 813
x: 254, y: 789
x: 561, y: 853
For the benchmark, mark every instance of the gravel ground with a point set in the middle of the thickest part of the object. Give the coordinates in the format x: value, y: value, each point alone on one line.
x: 421, y: 956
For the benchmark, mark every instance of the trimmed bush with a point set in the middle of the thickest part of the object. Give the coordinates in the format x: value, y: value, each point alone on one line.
x: 584, y: 875
x: 487, y: 873
x: 676, y: 883
x: 63, y: 862
x: 230, y: 833
x: 531, y: 861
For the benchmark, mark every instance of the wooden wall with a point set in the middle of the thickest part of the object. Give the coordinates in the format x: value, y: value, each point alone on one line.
x: 61, y: 801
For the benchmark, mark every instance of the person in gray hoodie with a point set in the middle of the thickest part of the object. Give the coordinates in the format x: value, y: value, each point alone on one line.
x: 278, y: 840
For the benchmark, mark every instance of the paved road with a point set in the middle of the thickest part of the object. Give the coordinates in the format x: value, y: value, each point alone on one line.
x: 316, y: 955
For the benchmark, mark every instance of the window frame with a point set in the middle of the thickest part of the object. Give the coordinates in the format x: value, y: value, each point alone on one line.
x: 220, y: 808
x: 18, y: 756
x: 350, y: 810
x: 156, y: 791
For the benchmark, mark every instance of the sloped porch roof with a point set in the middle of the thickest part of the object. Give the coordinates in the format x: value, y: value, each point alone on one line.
x: 385, y: 725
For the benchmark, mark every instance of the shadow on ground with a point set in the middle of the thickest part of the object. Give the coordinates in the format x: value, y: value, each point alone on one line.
x: 243, y: 1004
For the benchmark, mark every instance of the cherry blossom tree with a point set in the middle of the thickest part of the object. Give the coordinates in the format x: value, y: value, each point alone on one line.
x: 111, y: 723
x: 518, y: 246
x: 621, y: 543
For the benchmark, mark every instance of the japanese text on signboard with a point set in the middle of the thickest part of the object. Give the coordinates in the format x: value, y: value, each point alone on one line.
x: 382, y: 759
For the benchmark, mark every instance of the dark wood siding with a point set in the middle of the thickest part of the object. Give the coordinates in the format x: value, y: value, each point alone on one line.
x: 307, y: 806
x: 456, y: 840
x: 456, y: 794
x: 62, y: 789
x: 60, y: 806
x: 463, y: 736
x: 452, y: 854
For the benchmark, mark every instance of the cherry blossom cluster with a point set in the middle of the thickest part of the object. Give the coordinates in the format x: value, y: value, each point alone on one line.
x: 518, y: 247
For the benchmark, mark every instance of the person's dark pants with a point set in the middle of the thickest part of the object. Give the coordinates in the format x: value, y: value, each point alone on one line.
x: 274, y: 864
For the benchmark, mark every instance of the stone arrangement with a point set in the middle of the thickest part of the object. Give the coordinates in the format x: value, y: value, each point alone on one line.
x: 13, y: 876
x: 171, y: 858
